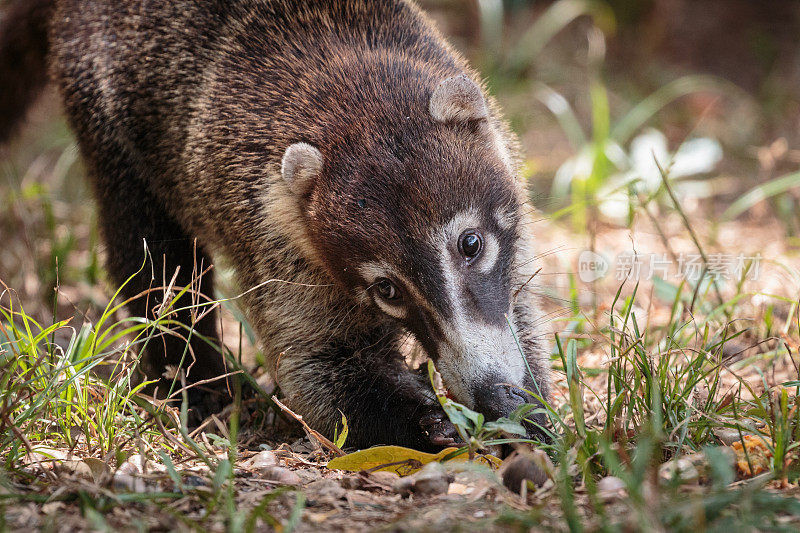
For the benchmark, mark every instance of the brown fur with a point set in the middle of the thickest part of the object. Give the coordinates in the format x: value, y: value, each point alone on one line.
x: 23, y: 56
x: 184, y: 110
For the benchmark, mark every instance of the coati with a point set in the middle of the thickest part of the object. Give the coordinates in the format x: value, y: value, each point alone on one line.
x: 341, y: 147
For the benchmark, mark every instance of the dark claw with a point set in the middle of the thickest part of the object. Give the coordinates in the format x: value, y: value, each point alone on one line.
x: 438, y: 429
x: 432, y: 419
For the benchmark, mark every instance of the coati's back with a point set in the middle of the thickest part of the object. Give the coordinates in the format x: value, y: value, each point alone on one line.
x: 129, y: 70
x: 207, y: 95
x: 149, y: 73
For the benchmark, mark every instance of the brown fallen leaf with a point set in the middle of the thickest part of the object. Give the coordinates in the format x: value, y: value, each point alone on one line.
x: 98, y: 468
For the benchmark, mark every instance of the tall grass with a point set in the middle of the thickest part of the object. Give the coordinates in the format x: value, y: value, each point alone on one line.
x: 661, y: 409
x: 52, y: 393
x: 86, y: 399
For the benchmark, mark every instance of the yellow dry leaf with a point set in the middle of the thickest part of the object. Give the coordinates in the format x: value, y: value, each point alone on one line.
x: 400, y: 460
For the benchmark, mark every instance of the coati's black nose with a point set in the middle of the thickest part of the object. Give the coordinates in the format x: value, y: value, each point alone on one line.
x: 496, y: 399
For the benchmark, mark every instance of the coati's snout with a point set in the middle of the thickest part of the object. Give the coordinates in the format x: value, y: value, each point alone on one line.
x: 454, y: 294
x: 495, y: 398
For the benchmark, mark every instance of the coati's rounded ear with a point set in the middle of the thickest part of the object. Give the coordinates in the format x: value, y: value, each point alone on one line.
x: 458, y: 99
x: 301, y: 165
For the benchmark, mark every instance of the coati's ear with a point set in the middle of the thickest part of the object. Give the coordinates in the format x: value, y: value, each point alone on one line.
x: 458, y: 99
x: 301, y: 165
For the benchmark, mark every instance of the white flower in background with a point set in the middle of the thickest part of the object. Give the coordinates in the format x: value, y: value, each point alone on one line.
x: 695, y: 156
x: 638, y: 167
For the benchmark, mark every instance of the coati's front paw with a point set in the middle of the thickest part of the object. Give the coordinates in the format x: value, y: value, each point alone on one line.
x: 438, y: 429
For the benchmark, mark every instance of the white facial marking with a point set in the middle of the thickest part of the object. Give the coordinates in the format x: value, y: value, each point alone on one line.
x: 491, y: 249
x: 472, y: 350
x: 475, y: 351
x: 504, y: 218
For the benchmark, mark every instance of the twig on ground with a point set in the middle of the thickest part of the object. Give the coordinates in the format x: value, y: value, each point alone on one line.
x: 312, y: 434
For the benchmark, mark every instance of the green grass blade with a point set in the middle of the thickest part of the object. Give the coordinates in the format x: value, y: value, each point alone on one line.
x: 761, y: 192
x: 647, y: 108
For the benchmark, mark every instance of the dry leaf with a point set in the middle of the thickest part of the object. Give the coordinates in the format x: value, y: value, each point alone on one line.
x: 98, y: 468
x: 400, y: 460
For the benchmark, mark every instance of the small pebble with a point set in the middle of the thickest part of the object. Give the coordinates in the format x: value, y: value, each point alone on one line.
x: 728, y: 436
x: 683, y: 469
x: 327, y: 489
x: 432, y: 480
x: 128, y: 483
x: 74, y: 467
x: 519, y: 468
x: 262, y: 459
x: 282, y: 475
x: 307, y: 475
x: 352, y: 482
x: 387, y: 479
x: 128, y: 468
x: 610, y: 488
x: 137, y: 461
x: 140, y: 462
x: 375, y: 480
x: 193, y: 481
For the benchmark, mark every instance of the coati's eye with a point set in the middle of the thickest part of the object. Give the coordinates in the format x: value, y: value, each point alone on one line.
x: 470, y: 244
x: 386, y: 289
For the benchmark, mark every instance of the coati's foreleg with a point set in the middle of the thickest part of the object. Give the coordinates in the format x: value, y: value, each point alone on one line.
x: 366, y: 378
x: 129, y: 217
